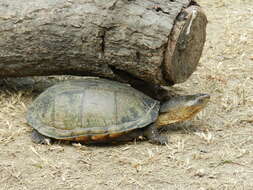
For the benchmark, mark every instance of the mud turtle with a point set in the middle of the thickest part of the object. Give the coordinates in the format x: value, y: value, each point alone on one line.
x: 100, y: 110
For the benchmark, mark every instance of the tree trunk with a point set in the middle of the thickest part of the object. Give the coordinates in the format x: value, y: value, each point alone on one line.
x: 157, y: 41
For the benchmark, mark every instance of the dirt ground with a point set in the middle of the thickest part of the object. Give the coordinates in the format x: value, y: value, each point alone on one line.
x: 214, y: 151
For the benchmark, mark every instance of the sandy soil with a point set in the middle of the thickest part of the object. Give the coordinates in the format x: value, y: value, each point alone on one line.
x: 212, y: 152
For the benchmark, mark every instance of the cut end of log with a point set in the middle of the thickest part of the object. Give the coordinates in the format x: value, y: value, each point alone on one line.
x: 185, y: 45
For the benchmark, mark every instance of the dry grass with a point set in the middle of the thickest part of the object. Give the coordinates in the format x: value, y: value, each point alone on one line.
x: 212, y: 152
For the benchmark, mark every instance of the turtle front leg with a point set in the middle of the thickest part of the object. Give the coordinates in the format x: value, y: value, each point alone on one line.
x: 39, y: 138
x: 152, y: 134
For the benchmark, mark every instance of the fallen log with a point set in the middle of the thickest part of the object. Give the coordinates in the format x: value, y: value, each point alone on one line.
x: 159, y: 42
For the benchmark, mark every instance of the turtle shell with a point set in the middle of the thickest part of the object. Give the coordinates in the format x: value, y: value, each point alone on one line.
x: 91, y: 108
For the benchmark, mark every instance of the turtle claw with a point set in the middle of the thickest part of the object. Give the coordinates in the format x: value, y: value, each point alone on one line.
x: 161, y: 140
x: 39, y: 138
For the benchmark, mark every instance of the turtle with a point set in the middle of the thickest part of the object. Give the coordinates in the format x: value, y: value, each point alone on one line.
x: 96, y: 110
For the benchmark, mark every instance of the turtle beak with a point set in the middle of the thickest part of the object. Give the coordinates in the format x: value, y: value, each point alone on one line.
x: 202, y: 99
x: 198, y: 104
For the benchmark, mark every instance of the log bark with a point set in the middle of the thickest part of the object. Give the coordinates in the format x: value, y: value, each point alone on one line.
x: 157, y: 41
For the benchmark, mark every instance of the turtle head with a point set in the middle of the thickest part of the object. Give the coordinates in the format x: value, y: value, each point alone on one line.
x: 181, y: 108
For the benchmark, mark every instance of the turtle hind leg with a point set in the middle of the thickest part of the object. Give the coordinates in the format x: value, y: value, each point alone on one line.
x: 150, y: 132
x: 39, y: 138
x: 154, y: 137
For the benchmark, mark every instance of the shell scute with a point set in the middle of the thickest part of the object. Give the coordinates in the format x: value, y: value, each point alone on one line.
x: 91, y: 107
